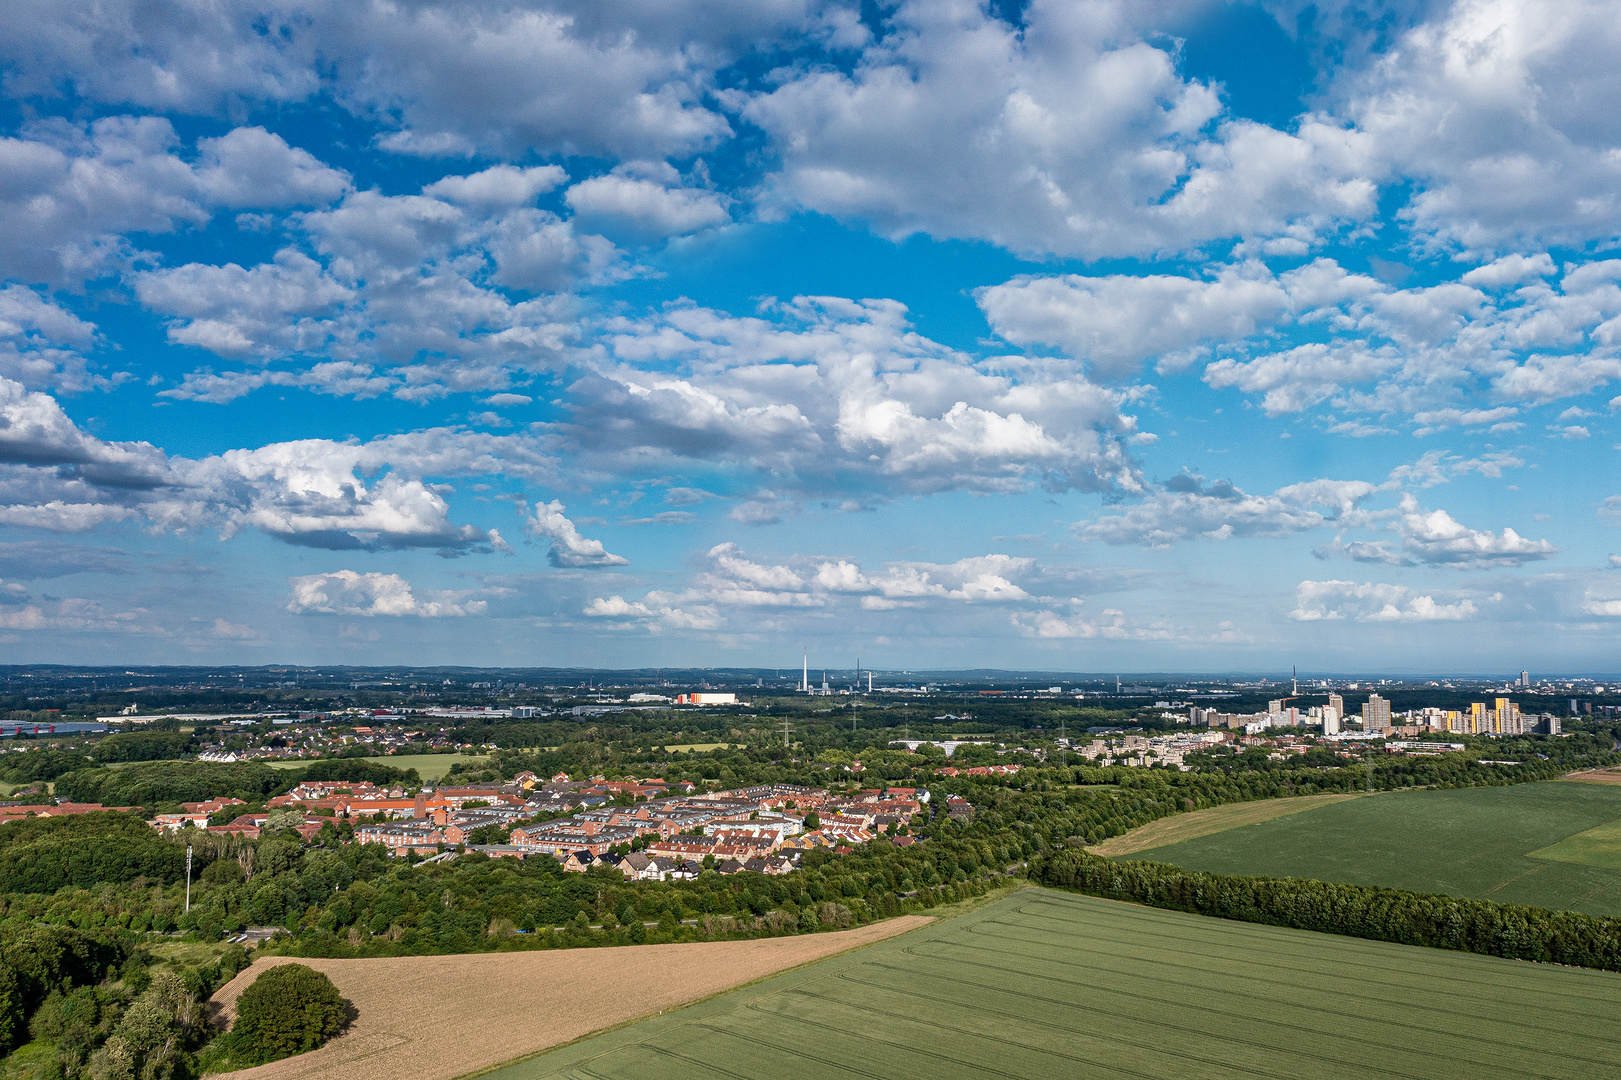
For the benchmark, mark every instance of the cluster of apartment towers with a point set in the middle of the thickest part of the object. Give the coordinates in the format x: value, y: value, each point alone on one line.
x: 1502, y: 717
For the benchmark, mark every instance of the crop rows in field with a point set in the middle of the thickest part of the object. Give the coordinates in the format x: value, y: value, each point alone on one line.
x: 1047, y: 984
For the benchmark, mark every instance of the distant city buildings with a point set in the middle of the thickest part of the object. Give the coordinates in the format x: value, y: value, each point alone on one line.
x: 1375, y: 714
x: 1501, y: 716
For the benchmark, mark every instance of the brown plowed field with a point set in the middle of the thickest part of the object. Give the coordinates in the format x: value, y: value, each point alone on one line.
x: 439, y: 1017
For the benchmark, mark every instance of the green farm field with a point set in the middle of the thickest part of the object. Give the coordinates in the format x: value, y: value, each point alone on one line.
x: 428, y: 766
x: 1049, y: 984
x: 1553, y: 844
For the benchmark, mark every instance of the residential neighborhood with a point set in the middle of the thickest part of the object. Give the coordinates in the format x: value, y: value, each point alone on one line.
x: 649, y: 829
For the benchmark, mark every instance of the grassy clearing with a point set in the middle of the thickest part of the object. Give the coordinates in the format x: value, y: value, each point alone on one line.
x: 1480, y: 842
x: 428, y: 766
x: 1180, y: 827
x: 187, y: 953
x: 432, y: 766
x: 31, y: 1061
x: 697, y: 747
x: 1046, y: 984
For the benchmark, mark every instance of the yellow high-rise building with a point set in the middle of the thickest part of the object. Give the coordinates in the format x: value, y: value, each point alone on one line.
x: 1508, y: 717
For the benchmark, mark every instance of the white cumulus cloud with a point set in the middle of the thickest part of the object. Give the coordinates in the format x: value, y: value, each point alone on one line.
x: 1373, y: 602
x: 568, y: 547
x: 346, y: 592
x: 645, y: 203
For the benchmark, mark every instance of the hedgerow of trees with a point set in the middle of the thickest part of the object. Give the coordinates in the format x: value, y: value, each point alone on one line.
x: 1442, y: 922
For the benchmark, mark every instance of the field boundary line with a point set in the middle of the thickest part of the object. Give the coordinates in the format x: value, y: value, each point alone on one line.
x: 1506, y: 882
x: 929, y: 920
x: 958, y: 999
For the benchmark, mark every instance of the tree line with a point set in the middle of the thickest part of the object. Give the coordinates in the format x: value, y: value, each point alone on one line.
x: 1514, y: 931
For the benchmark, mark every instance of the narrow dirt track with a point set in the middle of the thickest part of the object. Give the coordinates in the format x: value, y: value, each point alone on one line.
x: 1594, y: 776
x: 440, y: 1017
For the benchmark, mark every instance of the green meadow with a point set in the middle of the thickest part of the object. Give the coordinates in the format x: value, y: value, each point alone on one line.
x: 1554, y: 844
x: 428, y: 766
x: 1049, y: 984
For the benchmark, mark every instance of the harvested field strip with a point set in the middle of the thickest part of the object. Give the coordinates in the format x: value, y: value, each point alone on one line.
x: 1216, y: 819
x: 1049, y: 984
x: 438, y: 1017
x: 1594, y: 776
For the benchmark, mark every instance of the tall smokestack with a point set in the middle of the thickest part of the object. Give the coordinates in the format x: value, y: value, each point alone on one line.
x: 804, y: 678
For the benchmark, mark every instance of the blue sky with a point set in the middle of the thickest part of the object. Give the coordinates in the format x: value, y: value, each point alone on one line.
x: 1180, y: 336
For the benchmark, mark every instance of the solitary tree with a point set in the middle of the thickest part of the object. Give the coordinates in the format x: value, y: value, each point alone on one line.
x: 288, y: 1010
